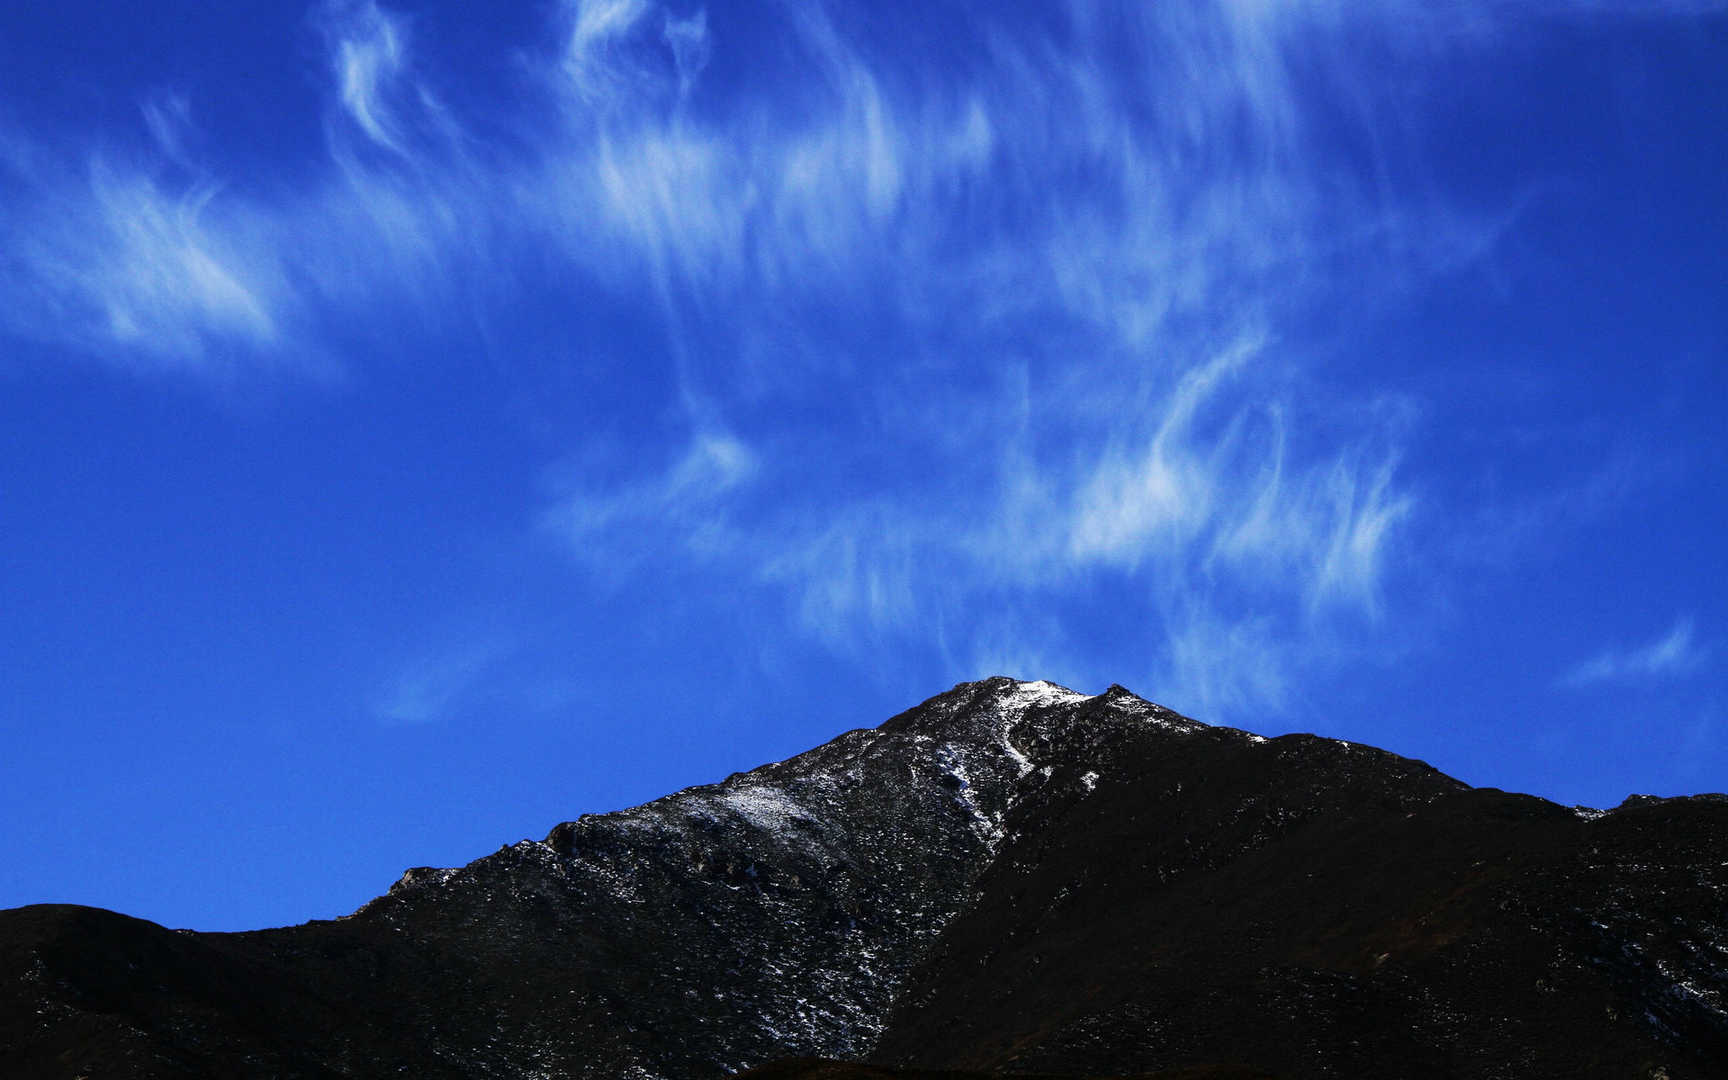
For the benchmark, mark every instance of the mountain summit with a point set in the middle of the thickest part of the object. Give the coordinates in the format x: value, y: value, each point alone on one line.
x: 1010, y: 877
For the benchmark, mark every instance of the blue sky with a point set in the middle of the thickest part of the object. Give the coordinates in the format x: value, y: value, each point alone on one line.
x: 424, y: 423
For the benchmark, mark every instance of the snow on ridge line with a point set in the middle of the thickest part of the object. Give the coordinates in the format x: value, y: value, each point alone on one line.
x: 1013, y: 702
x: 1041, y: 692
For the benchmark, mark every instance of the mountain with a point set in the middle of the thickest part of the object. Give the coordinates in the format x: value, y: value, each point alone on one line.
x: 1011, y: 877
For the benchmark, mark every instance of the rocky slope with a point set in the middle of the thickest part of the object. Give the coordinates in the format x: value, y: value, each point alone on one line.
x: 1009, y: 877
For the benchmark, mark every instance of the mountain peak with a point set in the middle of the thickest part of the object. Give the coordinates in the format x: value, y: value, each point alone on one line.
x: 994, y: 706
x: 1011, y: 876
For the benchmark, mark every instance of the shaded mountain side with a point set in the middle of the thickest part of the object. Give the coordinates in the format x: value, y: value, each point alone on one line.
x: 1324, y: 911
x: 1010, y: 877
x: 91, y: 993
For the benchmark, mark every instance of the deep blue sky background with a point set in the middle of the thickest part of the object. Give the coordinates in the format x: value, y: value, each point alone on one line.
x: 421, y: 424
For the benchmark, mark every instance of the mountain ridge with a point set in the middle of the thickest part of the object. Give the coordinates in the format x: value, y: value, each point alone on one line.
x: 1010, y: 876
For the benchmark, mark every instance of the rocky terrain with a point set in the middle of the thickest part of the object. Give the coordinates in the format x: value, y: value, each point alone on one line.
x: 1010, y: 878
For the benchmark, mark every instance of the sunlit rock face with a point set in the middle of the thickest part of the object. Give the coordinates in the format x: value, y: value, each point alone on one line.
x: 1010, y: 877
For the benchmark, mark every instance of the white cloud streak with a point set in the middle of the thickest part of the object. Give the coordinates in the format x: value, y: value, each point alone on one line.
x: 432, y: 687
x: 687, y: 506
x: 1671, y: 655
x: 1124, y: 203
x: 594, y: 59
x: 368, y: 56
x: 132, y: 263
x: 1202, y: 182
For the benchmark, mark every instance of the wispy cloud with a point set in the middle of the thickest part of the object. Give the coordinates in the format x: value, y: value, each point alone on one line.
x: 1179, y: 136
x: 431, y: 687
x: 684, y: 510
x: 109, y: 255
x: 964, y: 317
x: 368, y: 54
x: 1673, y: 654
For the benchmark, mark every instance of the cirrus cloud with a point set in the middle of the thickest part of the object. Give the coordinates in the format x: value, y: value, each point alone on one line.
x: 975, y: 315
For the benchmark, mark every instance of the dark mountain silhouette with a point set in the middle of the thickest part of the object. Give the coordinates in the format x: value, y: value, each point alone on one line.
x: 1010, y: 878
